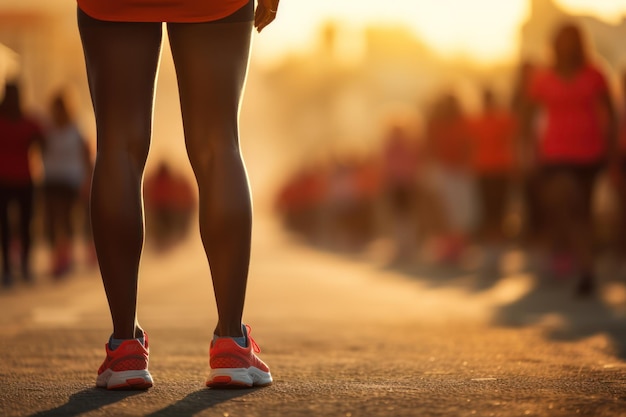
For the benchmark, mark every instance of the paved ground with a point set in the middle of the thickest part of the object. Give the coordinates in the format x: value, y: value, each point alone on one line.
x: 344, y: 337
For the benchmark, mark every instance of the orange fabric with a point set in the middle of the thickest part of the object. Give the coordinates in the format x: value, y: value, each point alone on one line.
x: 307, y: 189
x: 368, y: 179
x: 400, y: 158
x: 183, y: 11
x: 622, y: 134
x: 450, y: 143
x: 168, y: 191
x: 494, y: 142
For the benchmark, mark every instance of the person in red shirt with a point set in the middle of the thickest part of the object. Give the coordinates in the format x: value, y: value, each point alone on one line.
x: 622, y: 125
x: 170, y: 203
x: 577, y: 132
x: 494, y: 155
x: 210, y: 44
x: 18, y: 135
x: 619, y: 172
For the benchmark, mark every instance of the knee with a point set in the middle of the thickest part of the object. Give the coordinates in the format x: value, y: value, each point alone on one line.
x: 213, y: 149
x: 129, y: 141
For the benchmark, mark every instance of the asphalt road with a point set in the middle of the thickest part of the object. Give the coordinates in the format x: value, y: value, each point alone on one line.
x: 343, y: 337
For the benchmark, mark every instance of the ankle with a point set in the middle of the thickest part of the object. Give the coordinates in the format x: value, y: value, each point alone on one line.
x: 235, y: 330
x: 136, y: 333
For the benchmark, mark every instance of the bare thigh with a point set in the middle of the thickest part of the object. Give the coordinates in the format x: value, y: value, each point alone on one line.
x: 122, y: 60
x: 211, y: 62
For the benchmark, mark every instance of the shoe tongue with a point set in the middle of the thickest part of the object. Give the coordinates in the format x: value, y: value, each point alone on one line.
x: 240, y: 341
x: 115, y: 343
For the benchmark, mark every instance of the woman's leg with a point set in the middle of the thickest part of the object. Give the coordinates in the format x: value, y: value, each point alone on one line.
x: 122, y: 61
x: 557, y: 202
x: 48, y: 205
x: 53, y: 209
x: 211, y: 63
x: 25, y: 206
x: 65, y: 201
x: 582, y: 230
x: 5, y: 234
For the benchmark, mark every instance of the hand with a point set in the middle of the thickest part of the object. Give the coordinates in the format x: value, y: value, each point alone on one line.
x: 265, y: 13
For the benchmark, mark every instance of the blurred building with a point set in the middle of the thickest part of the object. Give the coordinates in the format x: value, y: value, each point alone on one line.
x: 333, y: 98
x: 40, y: 42
x: 607, y: 38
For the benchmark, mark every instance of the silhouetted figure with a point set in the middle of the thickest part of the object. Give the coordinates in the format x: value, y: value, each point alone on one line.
x: 619, y: 176
x: 494, y: 132
x: 302, y: 202
x: 67, y: 173
x: 348, y: 209
x: 451, y: 178
x: 527, y: 155
x: 571, y: 150
x: 170, y: 204
x: 210, y: 43
x: 400, y: 164
x: 18, y: 135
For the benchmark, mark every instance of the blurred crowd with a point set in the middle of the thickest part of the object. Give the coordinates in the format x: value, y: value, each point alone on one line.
x: 45, y: 176
x: 542, y: 169
x: 530, y: 172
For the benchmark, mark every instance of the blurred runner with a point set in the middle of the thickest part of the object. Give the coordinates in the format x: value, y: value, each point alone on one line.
x: 170, y: 204
x: 619, y: 178
x: 67, y: 173
x: 572, y: 149
x: 19, y: 134
x: 400, y: 163
x: 451, y: 178
x: 494, y: 134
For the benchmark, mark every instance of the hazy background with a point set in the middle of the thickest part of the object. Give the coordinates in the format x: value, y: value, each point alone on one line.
x: 326, y: 74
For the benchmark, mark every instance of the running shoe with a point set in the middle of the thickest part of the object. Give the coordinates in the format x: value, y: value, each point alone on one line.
x: 126, y: 367
x: 234, y: 366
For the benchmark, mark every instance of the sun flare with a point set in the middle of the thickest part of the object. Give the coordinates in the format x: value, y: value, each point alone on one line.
x: 484, y: 30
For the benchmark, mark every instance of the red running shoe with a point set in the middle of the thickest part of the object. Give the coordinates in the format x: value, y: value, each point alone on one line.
x: 126, y: 367
x: 233, y: 366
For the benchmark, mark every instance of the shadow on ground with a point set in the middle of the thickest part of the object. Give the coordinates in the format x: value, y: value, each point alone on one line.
x: 566, y: 317
x: 92, y: 399
x: 87, y: 400
x: 199, y: 401
x: 548, y: 302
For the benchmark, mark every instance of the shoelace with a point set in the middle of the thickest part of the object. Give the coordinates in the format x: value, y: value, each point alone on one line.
x: 254, y: 345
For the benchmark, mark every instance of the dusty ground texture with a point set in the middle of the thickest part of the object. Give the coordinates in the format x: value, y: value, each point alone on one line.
x: 344, y: 337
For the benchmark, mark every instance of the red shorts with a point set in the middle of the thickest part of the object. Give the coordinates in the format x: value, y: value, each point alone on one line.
x: 175, y: 11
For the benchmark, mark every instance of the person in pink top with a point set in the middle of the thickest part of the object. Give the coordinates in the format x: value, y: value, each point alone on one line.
x: 450, y: 178
x: 400, y: 165
x: 574, y: 139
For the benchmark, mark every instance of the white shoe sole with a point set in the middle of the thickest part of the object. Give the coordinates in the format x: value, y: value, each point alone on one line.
x: 238, y: 377
x: 139, y: 379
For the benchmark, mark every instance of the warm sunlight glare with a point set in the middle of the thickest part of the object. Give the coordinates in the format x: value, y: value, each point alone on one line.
x: 486, y: 30
x: 611, y: 10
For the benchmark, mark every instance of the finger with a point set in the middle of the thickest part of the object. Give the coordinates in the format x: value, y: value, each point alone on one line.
x: 264, y: 18
x: 263, y: 21
x: 260, y: 15
x: 264, y: 14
